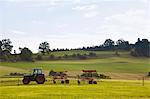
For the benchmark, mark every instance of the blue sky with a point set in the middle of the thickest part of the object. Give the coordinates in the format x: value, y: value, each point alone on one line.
x: 73, y: 23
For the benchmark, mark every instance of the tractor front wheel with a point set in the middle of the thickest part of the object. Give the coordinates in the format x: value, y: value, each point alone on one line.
x: 90, y: 82
x: 54, y: 81
x: 40, y: 79
x: 62, y: 82
x: 94, y: 82
x: 67, y: 81
x: 26, y: 81
x: 78, y: 82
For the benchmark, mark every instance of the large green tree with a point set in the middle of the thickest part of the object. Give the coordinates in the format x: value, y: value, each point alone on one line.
x: 141, y: 48
x: 1, y: 48
x: 26, y: 54
x: 5, y: 49
x: 6, y: 45
x: 44, y: 47
x: 109, y: 44
x: 123, y: 45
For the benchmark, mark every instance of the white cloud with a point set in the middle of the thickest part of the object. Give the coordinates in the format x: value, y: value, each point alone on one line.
x: 133, y: 18
x: 62, y: 25
x: 85, y: 7
x: 76, y: 1
x: 18, y: 32
x: 145, y: 1
x: 78, y: 8
x: 91, y: 14
x: 132, y: 23
x: 88, y: 11
x: 34, y: 3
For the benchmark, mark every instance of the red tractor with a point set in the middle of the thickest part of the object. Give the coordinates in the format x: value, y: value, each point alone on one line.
x: 59, y: 76
x: 89, y: 76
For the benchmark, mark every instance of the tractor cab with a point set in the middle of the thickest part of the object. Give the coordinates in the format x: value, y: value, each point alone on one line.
x: 37, y: 71
x: 36, y: 75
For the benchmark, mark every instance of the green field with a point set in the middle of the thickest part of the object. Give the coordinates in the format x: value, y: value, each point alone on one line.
x: 106, y: 62
x: 105, y: 89
x: 126, y: 73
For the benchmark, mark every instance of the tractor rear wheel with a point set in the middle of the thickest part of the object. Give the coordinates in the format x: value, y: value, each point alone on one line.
x: 40, y: 79
x: 62, y: 82
x: 78, y: 82
x: 67, y: 81
x: 54, y: 81
x: 90, y: 82
x: 94, y: 82
x: 26, y: 81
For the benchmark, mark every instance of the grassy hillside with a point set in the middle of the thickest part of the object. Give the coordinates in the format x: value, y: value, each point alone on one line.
x: 114, y: 64
x: 62, y: 53
x: 107, y: 62
x: 99, y: 54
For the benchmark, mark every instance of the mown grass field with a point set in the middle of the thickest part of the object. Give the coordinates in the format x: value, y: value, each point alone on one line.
x: 122, y: 68
x: 105, y: 89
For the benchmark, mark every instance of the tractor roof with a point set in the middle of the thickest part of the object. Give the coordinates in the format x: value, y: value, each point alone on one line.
x: 37, y: 69
x: 89, y: 70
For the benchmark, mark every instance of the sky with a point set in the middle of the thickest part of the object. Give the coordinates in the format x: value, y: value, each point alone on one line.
x: 73, y: 23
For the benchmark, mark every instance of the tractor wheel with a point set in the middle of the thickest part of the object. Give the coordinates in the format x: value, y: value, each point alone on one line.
x: 26, y: 81
x: 94, y: 82
x: 62, y: 82
x: 78, y: 82
x: 54, y: 81
x: 40, y: 79
x: 90, y: 82
x: 67, y: 81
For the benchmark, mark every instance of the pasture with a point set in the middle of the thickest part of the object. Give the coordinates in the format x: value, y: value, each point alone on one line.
x: 126, y: 83
x: 116, y: 67
x: 105, y: 89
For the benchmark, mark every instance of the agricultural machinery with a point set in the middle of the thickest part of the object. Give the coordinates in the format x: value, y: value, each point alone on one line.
x: 37, y: 76
x: 148, y: 74
x: 89, y: 76
x: 59, y: 76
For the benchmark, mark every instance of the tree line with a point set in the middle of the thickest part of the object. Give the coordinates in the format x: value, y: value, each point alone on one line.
x: 141, y: 48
